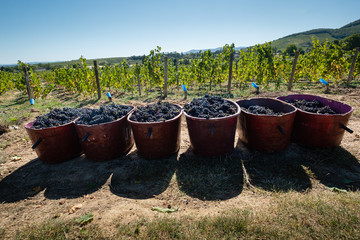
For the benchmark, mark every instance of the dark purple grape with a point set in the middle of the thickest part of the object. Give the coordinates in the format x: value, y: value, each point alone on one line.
x: 314, y: 106
x: 157, y: 112
x: 210, y: 107
x: 261, y: 110
x: 105, y: 114
x: 57, y: 117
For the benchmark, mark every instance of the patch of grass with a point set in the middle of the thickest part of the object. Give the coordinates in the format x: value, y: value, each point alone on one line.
x: 47, y: 230
x: 2, y: 232
x: 293, y: 215
x: 2, y: 159
x: 289, y: 216
x: 55, y: 229
x: 326, y: 216
x: 4, y: 144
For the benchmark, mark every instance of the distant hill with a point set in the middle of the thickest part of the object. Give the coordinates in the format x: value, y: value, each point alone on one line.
x: 304, y: 39
x: 211, y: 49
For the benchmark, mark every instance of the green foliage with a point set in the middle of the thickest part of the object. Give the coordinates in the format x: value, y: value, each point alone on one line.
x: 153, y: 68
x: 9, y: 81
x: 291, y: 49
x: 328, y: 60
x: 78, y: 78
x: 351, y: 42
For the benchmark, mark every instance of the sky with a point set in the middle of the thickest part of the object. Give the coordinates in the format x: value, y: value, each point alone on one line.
x: 62, y: 30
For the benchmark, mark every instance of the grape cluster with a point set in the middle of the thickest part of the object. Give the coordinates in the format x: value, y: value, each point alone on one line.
x: 156, y: 112
x: 57, y: 117
x: 261, y: 110
x: 314, y: 106
x: 210, y: 107
x: 106, y: 113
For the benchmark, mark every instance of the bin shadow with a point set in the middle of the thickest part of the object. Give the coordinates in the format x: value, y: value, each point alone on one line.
x: 282, y: 171
x: 139, y: 178
x: 77, y: 177
x: 70, y: 179
x: 25, y: 182
x: 333, y: 167
x: 217, y: 178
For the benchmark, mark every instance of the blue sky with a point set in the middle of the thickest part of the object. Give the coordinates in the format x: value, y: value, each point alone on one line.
x: 65, y: 30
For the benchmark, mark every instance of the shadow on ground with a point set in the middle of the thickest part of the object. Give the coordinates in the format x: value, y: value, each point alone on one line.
x: 281, y: 171
x: 139, y: 178
x: 69, y: 179
x: 217, y: 178
x: 333, y: 167
x: 293, y: 168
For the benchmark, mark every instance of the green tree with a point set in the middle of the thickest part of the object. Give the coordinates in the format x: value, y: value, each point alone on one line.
x: 290, y: 50
x: 352, y: 41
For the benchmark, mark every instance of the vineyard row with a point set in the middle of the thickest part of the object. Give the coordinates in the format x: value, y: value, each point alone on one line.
x: 258, y: 64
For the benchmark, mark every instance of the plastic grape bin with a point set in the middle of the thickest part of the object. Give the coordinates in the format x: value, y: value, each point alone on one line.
x: 266, y: 133
x: 155, y: 140
x: 106, y: 141
x: 214, y: 136
x: 320, y: 130
x: 55, y: 144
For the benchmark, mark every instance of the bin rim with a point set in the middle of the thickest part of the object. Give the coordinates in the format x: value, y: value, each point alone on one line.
x: 268, y: 98
x: 152, y: 123
x: 218, y: 118
x: 316, y: 96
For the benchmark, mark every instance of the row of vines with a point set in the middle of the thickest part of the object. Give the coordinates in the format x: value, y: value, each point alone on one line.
x: 258, y: 64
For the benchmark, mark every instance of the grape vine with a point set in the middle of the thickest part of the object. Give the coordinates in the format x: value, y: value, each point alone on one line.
x: 207, y: 70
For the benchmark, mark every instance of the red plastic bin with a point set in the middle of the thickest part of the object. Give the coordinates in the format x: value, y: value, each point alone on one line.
x: 320, y: 130
x: 156, y: 140
x: 55, y: 144
x: 266, y: 133
x: 105, y: 141
x: 214, y: 136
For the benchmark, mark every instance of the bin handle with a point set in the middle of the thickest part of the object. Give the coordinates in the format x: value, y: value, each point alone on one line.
x: 126, y: 133
x: 212, y: 129
x: 149, y: 132
x: 346, y: 128
x: 86, y: 137
x: 36, y: 143
x: 281, y: 130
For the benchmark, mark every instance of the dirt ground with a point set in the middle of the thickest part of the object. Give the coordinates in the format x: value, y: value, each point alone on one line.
x: 125, y: 189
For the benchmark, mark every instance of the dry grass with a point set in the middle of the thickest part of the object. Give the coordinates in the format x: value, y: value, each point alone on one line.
x: 290, y: 216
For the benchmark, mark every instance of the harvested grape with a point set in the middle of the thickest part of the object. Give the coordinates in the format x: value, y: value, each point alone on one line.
x: 210, y: 107
x: 105, y: 114
x: 156, y: 112
x: 314, y: 106
x: 56, y: 117
x: 261, y: 110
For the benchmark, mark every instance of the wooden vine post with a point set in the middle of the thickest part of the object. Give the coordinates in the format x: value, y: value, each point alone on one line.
x: 165, y: 76
x: 177, y: 75
x: 293, y: 70
x: 137, y: 72
x: 97, y: 79
x: 230, y: 72
x: 28, y: 89
x: 352, y: 67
